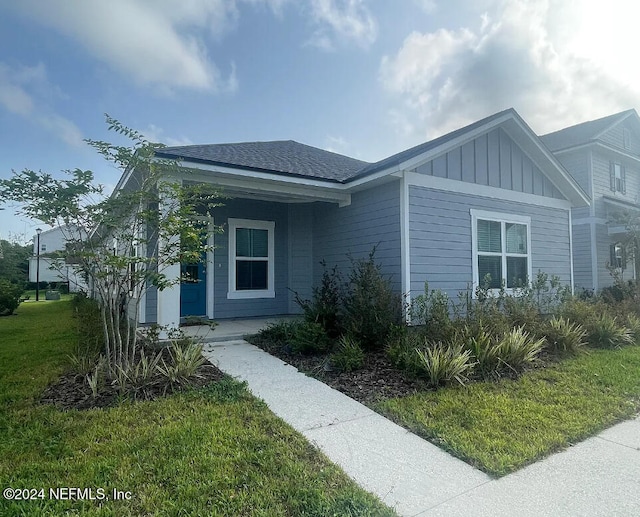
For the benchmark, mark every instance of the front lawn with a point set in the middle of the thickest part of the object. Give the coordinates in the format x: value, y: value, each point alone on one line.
x: 501, y: 426
x: 213, y: 451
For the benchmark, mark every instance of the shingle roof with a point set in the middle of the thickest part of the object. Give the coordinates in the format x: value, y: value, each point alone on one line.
x: 296, y: 159
x: 280, y: 157
x: 581, y: 133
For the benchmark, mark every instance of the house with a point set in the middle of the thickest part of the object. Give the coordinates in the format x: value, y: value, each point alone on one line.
x: 51, y: 268
x: 603, y: 156
x: 488, y: 198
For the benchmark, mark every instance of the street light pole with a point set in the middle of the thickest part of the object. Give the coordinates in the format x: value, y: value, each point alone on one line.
x: 38, y: 231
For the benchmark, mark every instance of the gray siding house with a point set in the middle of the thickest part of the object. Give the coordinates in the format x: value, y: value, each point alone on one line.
x: 603, y: 156
x: 488, y: 198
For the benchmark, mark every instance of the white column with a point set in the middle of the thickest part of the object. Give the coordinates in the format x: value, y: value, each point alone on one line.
x: 168, y: 298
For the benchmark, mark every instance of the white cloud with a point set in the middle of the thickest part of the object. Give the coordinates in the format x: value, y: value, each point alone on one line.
x: 539, y: 56
x: 21, y: 89
x: 153, y: 43
x: 342, y: 21
x: 155, y: 133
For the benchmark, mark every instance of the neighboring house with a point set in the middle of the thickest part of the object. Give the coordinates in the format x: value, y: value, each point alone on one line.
x: 489, y: 198
x: 603, y: 156
x: 52, y: 242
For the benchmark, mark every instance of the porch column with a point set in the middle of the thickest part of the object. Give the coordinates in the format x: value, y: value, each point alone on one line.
x: 169, y: 297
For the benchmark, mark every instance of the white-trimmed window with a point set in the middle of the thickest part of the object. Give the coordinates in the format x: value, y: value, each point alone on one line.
x: 251, y: 259
x: 501, y: 245
x: 617, y: 176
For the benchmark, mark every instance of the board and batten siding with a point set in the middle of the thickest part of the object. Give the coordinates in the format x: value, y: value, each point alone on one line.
x: 440, y: 244
x: 492, y: 159
x: 371, y: 220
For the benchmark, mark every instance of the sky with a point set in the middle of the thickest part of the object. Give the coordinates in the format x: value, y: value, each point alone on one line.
x: 365, y: 78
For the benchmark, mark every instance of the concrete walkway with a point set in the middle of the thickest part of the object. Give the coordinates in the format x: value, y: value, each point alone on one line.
x: 600, y: 476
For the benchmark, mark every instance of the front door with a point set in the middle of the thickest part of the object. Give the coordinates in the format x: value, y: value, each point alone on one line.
x: 193, y: 289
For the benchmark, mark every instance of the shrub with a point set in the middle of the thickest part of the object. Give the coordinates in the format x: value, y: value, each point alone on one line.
x: 481, y: 344
x: 348, y: 356
x: 309, y: 338
x: 325, y: 306
x: 183, y: 364
x: 401, y: 350
x: 633, y: 324
x: 517, y: 349
x: 605, y: 332
x: 281, y: 332
x: 371, y: 308
x: 564, y: 337
x: 583, y: 312
x: 443, y: 363
x: 9, y: 297
x: 432, y: 310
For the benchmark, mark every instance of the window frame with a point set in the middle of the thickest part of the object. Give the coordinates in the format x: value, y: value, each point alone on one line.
x: 503, y: 219
x: 233, y: 293
x: 618, y: 183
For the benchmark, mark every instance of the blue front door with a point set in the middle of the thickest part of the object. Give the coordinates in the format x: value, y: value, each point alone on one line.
x: 193, y: 290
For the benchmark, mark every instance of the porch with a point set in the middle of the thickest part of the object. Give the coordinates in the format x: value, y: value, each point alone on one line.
x: 232, y: 329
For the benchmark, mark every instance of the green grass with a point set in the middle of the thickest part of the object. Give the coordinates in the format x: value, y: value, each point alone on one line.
x: 501, y: 426
x: 215, y: 451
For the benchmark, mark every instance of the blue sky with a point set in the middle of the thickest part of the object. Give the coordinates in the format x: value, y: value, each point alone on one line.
x: 366, y: 78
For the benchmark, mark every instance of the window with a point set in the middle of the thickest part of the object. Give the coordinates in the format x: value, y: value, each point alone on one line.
x: 43, y: 247
x: 501, y: 249
x: 617, y: 256
x: 251, y: 259
x: 617, y: 178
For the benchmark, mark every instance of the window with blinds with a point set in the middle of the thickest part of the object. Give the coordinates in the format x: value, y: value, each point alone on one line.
x: 501, y: 250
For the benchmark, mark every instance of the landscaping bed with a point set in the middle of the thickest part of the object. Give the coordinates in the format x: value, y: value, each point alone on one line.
x: 210, y: 450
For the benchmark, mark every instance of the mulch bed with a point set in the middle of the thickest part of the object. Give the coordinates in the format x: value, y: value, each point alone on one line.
x: 378, y: 379
x: 72, y: 391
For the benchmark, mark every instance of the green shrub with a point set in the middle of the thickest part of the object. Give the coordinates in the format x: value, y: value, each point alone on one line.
x: 182, y: 366
x: 401, y: 350
x: 605, y: 332
x: 348, y: 355
x: 309, y: 338
x: 9, y: 297
x: 583, y: 312
x: 442, y: 363
x: 431, y: 310
x: 632, y: 322
x: 325, y: 306
x: 281, y: 332
x: 481, y: 344
x: 517, y: 349
x: 564, y: 337
x: 371, y: 308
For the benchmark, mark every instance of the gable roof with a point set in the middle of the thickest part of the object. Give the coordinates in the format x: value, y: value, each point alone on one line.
x: 293, y: 159
x: 281, y: 157
x: 584, y: 132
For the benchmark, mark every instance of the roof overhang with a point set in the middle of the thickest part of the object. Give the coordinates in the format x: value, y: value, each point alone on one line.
x: 237, y: 182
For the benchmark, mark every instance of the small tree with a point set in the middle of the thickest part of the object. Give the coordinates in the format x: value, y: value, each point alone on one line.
x: 122, y: 244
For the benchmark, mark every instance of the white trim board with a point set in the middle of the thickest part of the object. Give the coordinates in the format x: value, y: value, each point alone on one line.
x: 461, y: 187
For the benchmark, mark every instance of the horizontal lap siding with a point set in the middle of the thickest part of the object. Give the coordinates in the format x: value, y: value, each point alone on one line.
x: 582, y: 269
x: 300, y: 253
x: 440, y: 238
x: 244, y: 308
x: 372, y: 219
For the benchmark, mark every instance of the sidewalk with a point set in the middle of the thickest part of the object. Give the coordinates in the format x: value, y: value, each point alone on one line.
x: 600, y: 476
